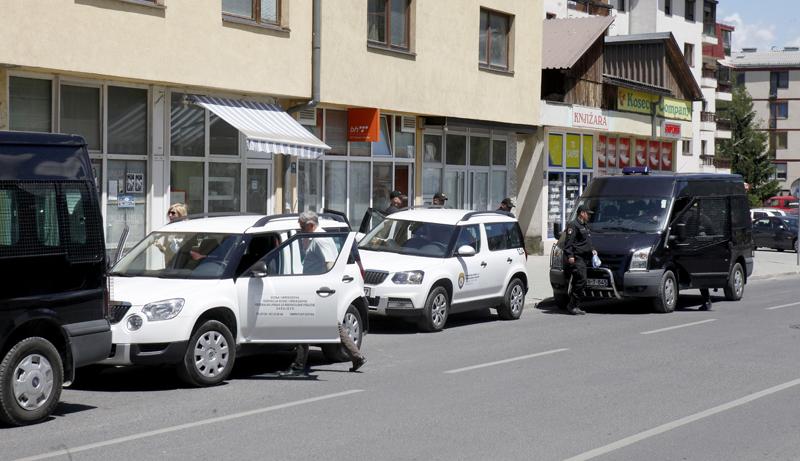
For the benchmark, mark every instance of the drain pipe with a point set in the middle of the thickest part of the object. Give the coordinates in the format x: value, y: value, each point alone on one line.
x: 315, y: 60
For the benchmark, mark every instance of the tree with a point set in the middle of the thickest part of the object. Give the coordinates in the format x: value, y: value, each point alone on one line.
x: 748, y: 148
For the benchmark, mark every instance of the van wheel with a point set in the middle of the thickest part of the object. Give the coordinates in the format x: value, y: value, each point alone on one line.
x: 354, y: 328
x: 735, y: 287
x: 210, y: 355
x: 667, y: 294
x: 513, y: 301
x: 31, y: 376
x: 434, y: 315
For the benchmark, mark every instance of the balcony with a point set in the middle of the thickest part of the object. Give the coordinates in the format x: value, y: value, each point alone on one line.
x: 724, y: 91
x: 710, y: 33
x: 708, y: 78
x: 713, y: 161
x: 724, y: 129
x: 708, y: 121
x: 591, y: 7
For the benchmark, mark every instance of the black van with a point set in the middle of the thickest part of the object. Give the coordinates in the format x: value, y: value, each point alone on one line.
x: 52, y: 257
x: 656, y: 235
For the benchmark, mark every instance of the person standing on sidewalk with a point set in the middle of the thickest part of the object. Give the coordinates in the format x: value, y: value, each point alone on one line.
x: 578, y: 252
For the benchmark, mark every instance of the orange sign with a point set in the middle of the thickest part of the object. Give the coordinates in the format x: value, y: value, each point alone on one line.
x: 363, y: 125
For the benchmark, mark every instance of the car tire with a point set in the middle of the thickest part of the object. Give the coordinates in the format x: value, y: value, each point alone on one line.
x: 33, y: 369
x: 667, y: 294
x: 513, y: 301
x: 209, y: 356
x: 437, y: 308
x: 734, y: 290
x: 354, y: 326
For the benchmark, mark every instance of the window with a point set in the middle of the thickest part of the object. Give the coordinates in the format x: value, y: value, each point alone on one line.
x: 550, y: 16
x: 703, y: 147
x: 388, y: 23
x: 621, y: 5
x: 726, y: 42
x: 781, y: 171
x: 779, y: 110
x: 668, y: 7
x: 127, y: 120
x: 687, y: 147
x: 493, y: 44
x: 503, y: 236
x: 259, y: 11
x: 741, y: 79
x: 471, y: 236
x: 688, y: 54
x: 30, y: 104
x: 690, y: 7
x: 779, y: 80
x: 780, y: 140
x: 80, y: 113
x: 707, y: 218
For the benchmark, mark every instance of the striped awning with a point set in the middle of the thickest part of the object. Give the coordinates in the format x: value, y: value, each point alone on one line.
x: 268, y: 128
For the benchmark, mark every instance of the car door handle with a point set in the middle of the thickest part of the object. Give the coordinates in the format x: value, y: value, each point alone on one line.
x: 509, y: 260
x: 347, y: 279
x: 483, y: 263
x: 325, y: 292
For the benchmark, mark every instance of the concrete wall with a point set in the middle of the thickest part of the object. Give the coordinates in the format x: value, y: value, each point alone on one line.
x: 531, y: 191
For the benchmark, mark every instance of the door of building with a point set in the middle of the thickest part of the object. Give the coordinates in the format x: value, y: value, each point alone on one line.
x: 258, y: 189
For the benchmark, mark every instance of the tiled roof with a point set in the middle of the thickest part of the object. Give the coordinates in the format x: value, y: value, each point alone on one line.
x: 566, y: 40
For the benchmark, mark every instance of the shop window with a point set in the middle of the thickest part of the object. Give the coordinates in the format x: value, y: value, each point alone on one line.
x: 127, y: 120
x: 260, y: 11
x: 404, y: 138
x: 478, y: 151
x: 257, y: 190
x: 382, y: 148
x: 31, y: 104
x: 187, y: 128
x: 480, y: 190
x: 433, y: 148
x: 127, y: 202
x: 309, y: 185
x: 223, y: 137
x: 456, y: 149
x: 499, y: 179
x: 381, y: 185
x: 359, y: 191
x: 80, y: 113
x: 336, y: 131
x: 336, y: 185
x: 498, y: 152
x: 493, y: 42
x: 187, y: 180
x: 388, y: 23
x: 223, y: 187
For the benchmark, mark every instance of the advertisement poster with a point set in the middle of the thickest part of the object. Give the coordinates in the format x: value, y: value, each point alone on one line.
x: 624, y: 152
x: 641, y: 153
x: 555, y: 145
x: 611, y: 153
x: 573, y: 151
x: 588, y: 152
x: 652, y: 152
x: 666, y: 156
x: 601, y: 151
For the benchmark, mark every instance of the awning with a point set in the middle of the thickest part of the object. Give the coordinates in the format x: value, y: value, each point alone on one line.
x: 268, y: 128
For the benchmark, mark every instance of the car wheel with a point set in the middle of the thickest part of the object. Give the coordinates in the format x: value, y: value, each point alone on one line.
x: 437, y: 307
x: 667, y: 294
x: 513, y: 301
x: 353, y: 326
x: 735, y: 288
x: 31, y: 375
x: 210, y: 355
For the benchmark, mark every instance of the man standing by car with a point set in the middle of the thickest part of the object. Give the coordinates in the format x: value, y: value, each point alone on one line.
x: 439, y: 199
x: 578, y: 251
x: 395, y: 202
x: 506, y: 205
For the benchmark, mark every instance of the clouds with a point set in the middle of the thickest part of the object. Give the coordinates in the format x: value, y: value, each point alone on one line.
x: 752, y: 35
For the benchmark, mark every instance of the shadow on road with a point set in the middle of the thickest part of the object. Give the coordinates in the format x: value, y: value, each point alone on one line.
x: 400, y: 326
x: 628, y: 307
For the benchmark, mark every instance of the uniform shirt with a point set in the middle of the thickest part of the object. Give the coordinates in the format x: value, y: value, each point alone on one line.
x: 320, y: 252
x: 578, y: 241
x: 391, y: 209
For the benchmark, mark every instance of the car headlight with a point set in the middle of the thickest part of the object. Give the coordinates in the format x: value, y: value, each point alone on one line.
x: 556, y: 257
x: 408, y: 278
x: 163, y: 310
x: 639, y: 259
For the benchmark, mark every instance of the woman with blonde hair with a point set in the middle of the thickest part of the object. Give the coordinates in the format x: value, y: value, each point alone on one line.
x: 176, y: 212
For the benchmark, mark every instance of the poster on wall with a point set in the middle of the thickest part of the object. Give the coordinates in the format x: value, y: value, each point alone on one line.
x: 624, y: 152
x: 641, y: 153
x: 652, y: 153
x: 573, y: 151
x: 601, y: 151
x: 588, y: 151
x: 555, y: 145
x: 666, y: 156
x: 134, y: 183
x: 611, y: 153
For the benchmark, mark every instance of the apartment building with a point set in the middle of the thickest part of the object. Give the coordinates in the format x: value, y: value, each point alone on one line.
x: 773, y: 80
x: 202, y: 101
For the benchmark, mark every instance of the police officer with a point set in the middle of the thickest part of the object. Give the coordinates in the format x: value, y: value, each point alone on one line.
x: 438, y: 199
x: 395, y: 202
x: 578, y: 251
x: 506, y: 205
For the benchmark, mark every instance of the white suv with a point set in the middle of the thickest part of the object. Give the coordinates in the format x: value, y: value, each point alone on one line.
x: 195, y: 291
x: 428, y: 263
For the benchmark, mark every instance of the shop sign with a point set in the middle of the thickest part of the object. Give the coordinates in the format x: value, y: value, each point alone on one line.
x: 671, y: 130
x: 676, y: 109
x: 363, y: 125
x: 588, y: 117
x: 641, y: 103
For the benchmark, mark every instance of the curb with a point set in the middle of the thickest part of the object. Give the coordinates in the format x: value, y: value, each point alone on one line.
x: 772, y: 276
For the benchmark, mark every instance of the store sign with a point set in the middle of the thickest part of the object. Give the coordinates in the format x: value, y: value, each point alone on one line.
x: 363, y: 125
x: 588, y: 117
x: 671, y: 130
x: 676, y: 109
x: 642, y: 103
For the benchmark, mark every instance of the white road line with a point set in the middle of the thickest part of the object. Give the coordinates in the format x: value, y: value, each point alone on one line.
x: 680, y: 422
x: 92, y: 446
x: 677, y: 326
x: 500, y: 362
x: 781, y: 306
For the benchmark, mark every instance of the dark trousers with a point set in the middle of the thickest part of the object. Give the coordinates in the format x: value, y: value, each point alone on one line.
x: 300, y: 357
x: 577, y: 272
x: 705, y: 294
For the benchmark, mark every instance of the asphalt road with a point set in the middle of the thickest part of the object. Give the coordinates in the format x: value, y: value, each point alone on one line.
x: 617, y: 384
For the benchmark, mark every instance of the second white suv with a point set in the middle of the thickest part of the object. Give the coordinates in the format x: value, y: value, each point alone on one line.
x: 427, y: 263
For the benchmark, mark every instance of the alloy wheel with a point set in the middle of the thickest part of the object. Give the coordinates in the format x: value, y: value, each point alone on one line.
x: 517, y: 299
x: 439, y: 310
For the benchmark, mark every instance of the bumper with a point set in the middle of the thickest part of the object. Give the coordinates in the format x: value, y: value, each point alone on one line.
x: 89, y: 342
x: 643, y: 284
x: 394, y: 306
x: 749, y: 263
x: 147, y: 354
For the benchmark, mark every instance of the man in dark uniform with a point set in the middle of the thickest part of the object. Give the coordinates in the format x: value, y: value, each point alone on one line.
x: 395, y: 202
x: 578, y: 251
x: 506, y: 205
x: 439, y: 199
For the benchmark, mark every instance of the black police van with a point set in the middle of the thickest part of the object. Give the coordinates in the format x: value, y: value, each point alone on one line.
x: 656, y: 235
x: 52, y: 259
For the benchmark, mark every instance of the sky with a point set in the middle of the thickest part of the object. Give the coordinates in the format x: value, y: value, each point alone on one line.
x: 762, y: 24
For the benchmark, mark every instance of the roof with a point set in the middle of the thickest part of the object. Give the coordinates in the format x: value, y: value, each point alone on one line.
x: 564, y: 41
x: 773, y: 58
x: 241, y: 224
x: 448, y: 216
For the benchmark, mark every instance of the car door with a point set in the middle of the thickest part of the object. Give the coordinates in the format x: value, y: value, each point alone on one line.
x: 705, y: 253
x: 287, y: 297
x: 371, y: 219
x: 762, y: 229
x: 503, y: 246
x: 782, y: 235
x: 470, y: 278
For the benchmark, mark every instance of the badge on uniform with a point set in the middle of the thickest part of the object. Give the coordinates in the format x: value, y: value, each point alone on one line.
x: 569, y: 231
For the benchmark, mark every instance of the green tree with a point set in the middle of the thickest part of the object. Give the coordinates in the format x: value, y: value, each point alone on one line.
x: 747, y: 149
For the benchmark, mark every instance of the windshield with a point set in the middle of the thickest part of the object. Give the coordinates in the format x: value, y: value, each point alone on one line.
x: 179, y: 255
x: 791, y: 221
x: 645, y: 215
x: 409, y: 238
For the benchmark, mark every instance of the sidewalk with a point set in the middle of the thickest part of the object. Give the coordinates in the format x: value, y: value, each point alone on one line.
x: 768, y: 263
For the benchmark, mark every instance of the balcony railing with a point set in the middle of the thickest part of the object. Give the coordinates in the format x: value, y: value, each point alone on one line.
x: 708, y: 117
x: 716, y: 162
x: 710, y: 28
x: 724, y: 87
x: 709, y: 73
x: 723, y: 124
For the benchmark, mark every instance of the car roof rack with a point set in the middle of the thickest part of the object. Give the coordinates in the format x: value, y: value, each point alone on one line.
x: 333, y: 215
x: 216, y: 214
x: 472, y: 214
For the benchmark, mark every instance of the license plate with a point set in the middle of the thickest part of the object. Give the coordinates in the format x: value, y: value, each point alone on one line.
x: 368, y: 292
x: 596, y: 283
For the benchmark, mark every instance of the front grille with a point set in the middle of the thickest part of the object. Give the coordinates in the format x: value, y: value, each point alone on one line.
x: 116, y: 311
x: 614, y: 262
x: 375, y: 277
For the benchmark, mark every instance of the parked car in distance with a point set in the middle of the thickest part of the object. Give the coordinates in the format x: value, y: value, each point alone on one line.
x: 787, y: 203
x: 656, y: 235
x: 758, y: 213
x: 424, y: 264
x: 195, y: 292
x: 777, y: 232
x: 52, y: 257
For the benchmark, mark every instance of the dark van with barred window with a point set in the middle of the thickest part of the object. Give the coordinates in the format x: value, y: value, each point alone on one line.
x: 657, y: 235
x: 52, y: 257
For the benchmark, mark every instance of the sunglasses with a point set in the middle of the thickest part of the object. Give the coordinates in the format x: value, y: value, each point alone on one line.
x: 171, y: 213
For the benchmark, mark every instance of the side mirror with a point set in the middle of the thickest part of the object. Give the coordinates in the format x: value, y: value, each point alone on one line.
x: 680, y: 231
x: 259, y: 269
x: 557, y: 229
x: 465, y: 250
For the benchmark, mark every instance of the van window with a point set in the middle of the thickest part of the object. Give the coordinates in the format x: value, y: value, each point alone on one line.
x: 9, y: 218
x: 707, y: 218
x: 739, y: 212
x: 46, y: 210
x: 503, y: 236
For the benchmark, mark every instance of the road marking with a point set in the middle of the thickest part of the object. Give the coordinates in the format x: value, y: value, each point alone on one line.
x: 680, y: 422
x: 677, y: 326
x: 781, y: 306
x: 500, y: 362
x: 180, y: 427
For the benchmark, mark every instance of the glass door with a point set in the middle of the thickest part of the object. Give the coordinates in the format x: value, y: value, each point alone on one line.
x: 258, y: 190
x: 455, y: 188
x: 479, y: 188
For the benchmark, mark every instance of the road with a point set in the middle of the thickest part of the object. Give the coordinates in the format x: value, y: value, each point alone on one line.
x: 617, y: 384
